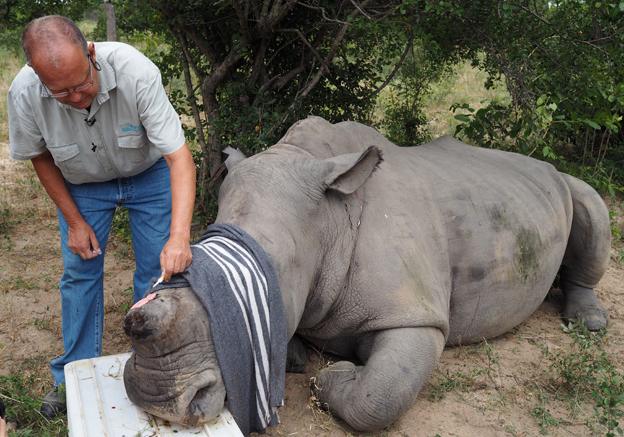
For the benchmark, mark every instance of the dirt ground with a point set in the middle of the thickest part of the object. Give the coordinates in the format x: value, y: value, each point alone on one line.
x: 499, y: 387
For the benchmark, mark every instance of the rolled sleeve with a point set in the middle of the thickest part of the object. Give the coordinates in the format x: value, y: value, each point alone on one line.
x: 160, y: 120
x: 25, y: 139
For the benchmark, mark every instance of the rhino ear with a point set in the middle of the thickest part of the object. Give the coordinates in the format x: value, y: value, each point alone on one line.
x: 234, y: 157
x: 350, y: 171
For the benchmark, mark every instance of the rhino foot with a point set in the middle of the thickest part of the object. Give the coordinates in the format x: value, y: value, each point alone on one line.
x: 397, y: 364
x: 333, y: 386
x: 581, y: 304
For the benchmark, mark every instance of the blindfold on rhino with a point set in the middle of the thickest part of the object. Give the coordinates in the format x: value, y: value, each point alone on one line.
x: 173, y: 372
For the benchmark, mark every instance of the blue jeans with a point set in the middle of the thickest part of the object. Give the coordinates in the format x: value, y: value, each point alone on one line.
x: 147, y: 196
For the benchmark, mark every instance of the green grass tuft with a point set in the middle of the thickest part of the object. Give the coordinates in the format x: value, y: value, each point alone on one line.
x: 23, y: 409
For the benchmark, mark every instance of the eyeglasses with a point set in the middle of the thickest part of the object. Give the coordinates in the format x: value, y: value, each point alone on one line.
x: 77, y: 89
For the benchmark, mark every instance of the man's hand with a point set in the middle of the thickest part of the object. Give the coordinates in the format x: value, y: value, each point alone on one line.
x: 82, y: 241
x: 175, y: 257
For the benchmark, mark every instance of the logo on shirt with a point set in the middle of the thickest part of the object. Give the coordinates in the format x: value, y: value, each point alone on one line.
x: 128, y: 128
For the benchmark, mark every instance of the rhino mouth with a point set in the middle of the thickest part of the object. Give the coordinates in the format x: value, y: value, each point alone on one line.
x: 161, y: 388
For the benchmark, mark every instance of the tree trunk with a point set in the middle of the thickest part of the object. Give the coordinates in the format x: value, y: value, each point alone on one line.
x: 111, y: 23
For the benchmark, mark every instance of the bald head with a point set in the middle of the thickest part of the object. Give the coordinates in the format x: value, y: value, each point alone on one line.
x: 50, y: 37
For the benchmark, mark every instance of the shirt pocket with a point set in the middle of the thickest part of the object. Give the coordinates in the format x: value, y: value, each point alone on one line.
x: 67, y: 158
x: 133, y: 147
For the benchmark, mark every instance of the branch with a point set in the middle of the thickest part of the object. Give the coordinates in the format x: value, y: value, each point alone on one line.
x: 572, y: 40
x: 324, y: 68
x: 190, y: 93
x: 242, y: 12
x: 278, y: 12
x: 360, y: 9
x: 305, y: 41
x: 258, y: 65
x: 408, y: 46
x: 221, y: 70
x: 311, y: 83
x: 323, y: 13
x: 203, y: 47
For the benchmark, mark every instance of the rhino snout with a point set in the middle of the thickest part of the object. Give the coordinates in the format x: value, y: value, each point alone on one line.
x: 150, y: 319
x: 136, y: 325
x: 177, y: 393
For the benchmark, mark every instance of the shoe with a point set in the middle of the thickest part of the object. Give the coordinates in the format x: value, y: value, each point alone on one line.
x: 53, y: 403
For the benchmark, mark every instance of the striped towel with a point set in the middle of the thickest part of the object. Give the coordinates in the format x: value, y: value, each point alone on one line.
x: 235, y: 281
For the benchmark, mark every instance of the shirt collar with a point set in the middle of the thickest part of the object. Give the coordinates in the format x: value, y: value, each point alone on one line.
x: 107, y: 78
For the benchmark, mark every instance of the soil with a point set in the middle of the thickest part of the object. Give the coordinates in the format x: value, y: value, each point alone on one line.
x: 505, y: 386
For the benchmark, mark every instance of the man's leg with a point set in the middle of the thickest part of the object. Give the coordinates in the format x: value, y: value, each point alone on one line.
x: 82, y: 281
x: 149, y: 206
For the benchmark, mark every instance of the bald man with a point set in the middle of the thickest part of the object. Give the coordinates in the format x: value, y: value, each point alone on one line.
x: 96, y: 123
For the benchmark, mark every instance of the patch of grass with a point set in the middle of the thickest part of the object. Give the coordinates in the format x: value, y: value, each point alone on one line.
x: 10, y: 63
x: 542, y: 415
x: 23, y: 408
x: 17, y: 283
x: 122, y: 236
x: 6, y: 221
x: 492, y: 364
x: 455, y: 381
x: 465, y: 84
x: 121, y: 225
x: 586, y: 373
x: 124, y: 306
x: 616, y: 231
x: 44, y: 323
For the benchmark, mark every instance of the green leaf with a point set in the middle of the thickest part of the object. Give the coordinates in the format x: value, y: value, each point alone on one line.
x: 463, y: 118
x: 591, y: 123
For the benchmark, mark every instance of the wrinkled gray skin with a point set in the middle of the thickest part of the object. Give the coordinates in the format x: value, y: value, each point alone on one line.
x: 383, y: 261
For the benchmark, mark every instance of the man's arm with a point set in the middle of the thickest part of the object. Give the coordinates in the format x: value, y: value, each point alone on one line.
x: 81, y: 239
x: 176, y: 255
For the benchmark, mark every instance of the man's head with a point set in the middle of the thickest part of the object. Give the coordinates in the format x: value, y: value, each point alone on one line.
x: 58, y: 52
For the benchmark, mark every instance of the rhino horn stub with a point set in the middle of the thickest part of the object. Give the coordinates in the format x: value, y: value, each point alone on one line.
x: 151, y: 318
x: 137, y: 326
x: 350, y: 171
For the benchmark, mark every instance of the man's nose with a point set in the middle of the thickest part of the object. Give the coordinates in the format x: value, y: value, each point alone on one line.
x: 74, y: 97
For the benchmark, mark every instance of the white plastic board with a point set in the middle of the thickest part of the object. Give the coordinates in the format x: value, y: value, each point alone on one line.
x: 98, y: 406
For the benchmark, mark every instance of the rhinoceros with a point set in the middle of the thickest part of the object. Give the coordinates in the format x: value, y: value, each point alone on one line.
x: 383, y: 255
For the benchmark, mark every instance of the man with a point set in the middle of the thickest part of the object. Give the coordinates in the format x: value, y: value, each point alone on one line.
x: 96, y: 123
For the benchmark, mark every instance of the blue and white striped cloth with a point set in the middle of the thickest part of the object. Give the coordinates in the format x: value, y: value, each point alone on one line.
x: 235, y: 281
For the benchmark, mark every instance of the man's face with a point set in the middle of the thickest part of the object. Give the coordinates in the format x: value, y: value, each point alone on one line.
x: 75, y: 76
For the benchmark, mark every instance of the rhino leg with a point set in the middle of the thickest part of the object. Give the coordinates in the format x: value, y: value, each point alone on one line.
x: 296, y: 355
x: 587, y: 256
x: 398, y: 363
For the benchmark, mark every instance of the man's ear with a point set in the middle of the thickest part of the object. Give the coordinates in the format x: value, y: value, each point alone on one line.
x: 91, y: 49
x: 348, y: 172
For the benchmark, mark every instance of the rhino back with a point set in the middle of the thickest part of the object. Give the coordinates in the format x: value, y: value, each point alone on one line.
x: 323, y: 140
x: 476, y: 234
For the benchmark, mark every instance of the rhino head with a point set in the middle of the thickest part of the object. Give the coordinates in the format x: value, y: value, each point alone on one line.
x: 295, y: 205
x: 280, y: 198
x: 173, y: 372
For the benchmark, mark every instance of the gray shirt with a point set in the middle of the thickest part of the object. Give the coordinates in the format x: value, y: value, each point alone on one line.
x: 129, y: 126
